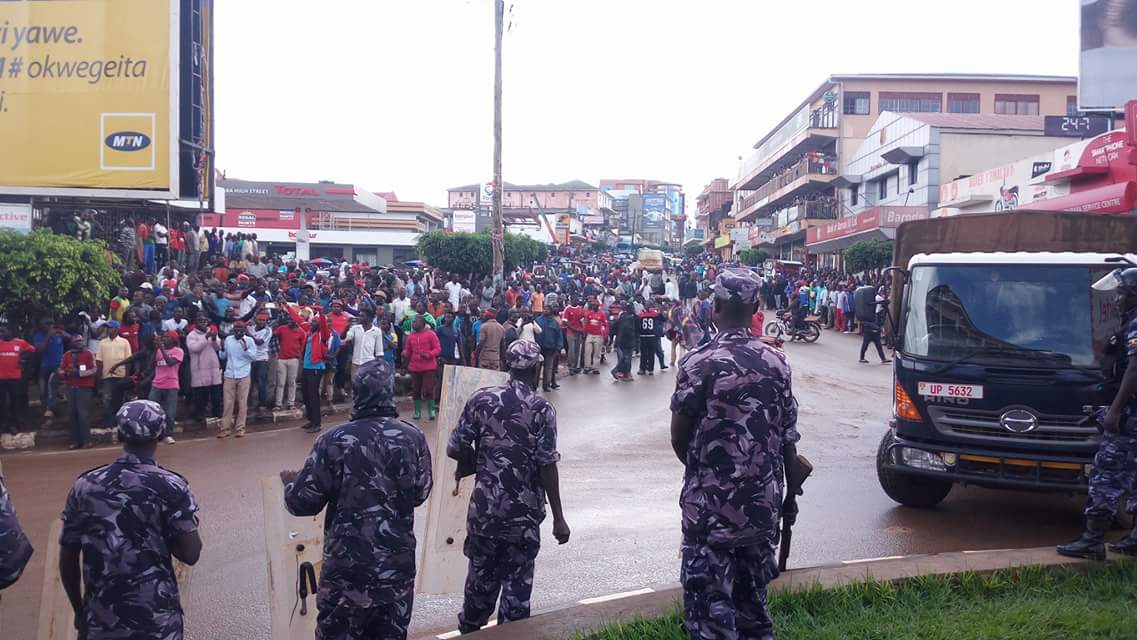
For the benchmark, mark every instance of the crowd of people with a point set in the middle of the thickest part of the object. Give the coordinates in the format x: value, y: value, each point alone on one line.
x: 226, y: 330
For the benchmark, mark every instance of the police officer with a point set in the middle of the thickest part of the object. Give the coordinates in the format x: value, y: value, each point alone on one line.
x: 508, y: 436
x: 1115, y: 465
x: 126, y: 519
x: 15, y: 550
x: 733, y: 422
x: 370, y: 473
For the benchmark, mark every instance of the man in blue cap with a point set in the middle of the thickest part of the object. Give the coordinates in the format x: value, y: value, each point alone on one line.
x: 507, y: 435
x: 733, y: 423
x: 370, y: 474
x: 126, y: 520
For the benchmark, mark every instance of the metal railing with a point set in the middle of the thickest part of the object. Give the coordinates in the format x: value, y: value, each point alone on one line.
x: 810, y: 164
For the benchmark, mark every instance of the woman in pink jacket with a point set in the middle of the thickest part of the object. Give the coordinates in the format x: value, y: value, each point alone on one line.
x: 421, y: 355
x: 203, y: 344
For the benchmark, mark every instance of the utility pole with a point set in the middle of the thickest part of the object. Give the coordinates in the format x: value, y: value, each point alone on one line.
x: 498, y: 236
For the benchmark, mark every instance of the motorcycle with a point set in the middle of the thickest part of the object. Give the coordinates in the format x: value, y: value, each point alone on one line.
x: 782, y: 326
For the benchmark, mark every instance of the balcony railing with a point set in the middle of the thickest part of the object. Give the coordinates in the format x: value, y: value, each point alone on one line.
x: 810, y: 164
x: 823, y: 117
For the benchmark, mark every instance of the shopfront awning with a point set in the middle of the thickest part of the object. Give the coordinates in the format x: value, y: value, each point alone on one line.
x: 1114, y: 198
x: 846, y: 180
x: 902, y: 155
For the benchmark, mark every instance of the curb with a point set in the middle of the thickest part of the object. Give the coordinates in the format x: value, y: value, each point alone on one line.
x: 593, y: 614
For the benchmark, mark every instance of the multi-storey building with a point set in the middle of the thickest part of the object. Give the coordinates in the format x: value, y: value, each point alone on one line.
x: 789, y: 182
x: 713, y: 205
x: 655, y: 225
x: 547, y: 212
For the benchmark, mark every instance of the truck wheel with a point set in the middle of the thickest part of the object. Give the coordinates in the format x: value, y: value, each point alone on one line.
x: 908, y: 489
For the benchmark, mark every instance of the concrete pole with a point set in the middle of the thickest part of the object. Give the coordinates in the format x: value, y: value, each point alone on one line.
x: 498, y: 235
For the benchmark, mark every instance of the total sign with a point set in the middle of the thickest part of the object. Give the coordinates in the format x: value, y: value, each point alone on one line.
x: 488, y: 189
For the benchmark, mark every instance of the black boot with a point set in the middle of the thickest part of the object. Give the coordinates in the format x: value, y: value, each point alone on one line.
x: 1126, y: 545
x: 1092, y: 543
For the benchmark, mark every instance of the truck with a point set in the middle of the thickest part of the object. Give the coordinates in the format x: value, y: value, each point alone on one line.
x: 1000, y: 351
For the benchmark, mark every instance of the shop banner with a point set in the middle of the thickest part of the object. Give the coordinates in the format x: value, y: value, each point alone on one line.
x: 654, y: 210
x: 464, y: 221
x: 16, y: 217
x: 86, y: 92
x: 722, y: 241
x: 876, y: 218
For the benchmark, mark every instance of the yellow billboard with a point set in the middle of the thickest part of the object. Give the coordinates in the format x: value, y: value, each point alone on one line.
x: 89, y: 97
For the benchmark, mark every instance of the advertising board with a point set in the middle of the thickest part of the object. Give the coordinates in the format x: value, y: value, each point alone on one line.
x: 16, y: 217
x: 465, y: 221
x: 654, y: 210
x: 1107, y: 69
x: 92, y: 100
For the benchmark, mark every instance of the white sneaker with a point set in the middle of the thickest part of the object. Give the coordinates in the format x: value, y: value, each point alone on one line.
x: 170, y: 440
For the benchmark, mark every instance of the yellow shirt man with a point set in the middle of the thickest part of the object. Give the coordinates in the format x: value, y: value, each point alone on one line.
x: 111, y: 352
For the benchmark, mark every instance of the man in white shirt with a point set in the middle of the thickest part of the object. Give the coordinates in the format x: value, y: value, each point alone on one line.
x: 161, y: 245
x: 454, y: 290
x: 400, y: 306
x: 261, y: 334
x: 366, y: 341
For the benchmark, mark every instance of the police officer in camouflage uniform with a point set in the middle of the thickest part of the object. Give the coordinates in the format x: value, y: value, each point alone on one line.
x: 126, y: 519
x: 15, y: 550
x: 733, y: 423
x: 370, y: 474
x: 1115, y: 465
x: 508, y: 436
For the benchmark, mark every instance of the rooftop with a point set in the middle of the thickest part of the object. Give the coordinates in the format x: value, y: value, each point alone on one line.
x: 571, y: 185
x: 980, y: 121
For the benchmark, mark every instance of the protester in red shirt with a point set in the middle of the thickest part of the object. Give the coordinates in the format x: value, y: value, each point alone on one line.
x: 421, y: 355
x: 337, y: 378
x: 574, y: 335
x: 129, y: 329
x: 292, y: 337
x: 758, y: 324
x: 596, y: 329
x: 77, y: 371
x: 14, y: 354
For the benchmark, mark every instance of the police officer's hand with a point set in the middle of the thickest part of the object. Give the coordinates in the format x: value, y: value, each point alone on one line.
x: 287, y: 476
x: 561, y: 531
x: 1112, y: 422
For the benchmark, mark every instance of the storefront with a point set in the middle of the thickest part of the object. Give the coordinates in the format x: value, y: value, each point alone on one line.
x: 309, y: 220
x: 1098, y: 175
x: 874, y: 224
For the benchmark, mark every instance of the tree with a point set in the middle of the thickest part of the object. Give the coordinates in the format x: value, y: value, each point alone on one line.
x: 868, y: 254
x: 753, y: 257
x: 694, y: 250
x: 472, y: 253
x: 44, y: 274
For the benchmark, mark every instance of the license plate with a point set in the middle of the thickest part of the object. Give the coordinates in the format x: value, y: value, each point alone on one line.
x: 944, y: 390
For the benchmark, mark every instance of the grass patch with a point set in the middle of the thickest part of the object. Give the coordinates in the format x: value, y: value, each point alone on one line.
x: 1031, y: 604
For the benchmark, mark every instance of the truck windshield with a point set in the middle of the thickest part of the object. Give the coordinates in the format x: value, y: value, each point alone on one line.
x: 1034, y: 315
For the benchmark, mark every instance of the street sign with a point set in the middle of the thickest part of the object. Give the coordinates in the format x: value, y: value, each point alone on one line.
x: 1076, y: 126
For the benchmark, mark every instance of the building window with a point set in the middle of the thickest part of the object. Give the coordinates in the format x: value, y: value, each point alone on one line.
x: 913, y: 171
x: 1071, y: 105
x: 857, y: 103
x: 882, y: 189
x: 855, y: 192
x: 911, y: 102
x: 1009, y: 104
x: 963, y: 103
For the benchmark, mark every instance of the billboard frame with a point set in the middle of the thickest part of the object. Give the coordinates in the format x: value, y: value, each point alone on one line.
x: 173, y: 135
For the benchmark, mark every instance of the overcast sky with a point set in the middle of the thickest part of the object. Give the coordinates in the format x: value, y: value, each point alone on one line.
x: 398, y: 95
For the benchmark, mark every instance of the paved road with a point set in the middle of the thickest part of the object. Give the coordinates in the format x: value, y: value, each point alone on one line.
x: 620, y: 486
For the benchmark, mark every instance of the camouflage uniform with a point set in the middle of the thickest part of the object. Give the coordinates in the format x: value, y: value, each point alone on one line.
x: 507, y: 433
x: 370, y: 474
x: 1115, y: 465
x: 737, y: 392
x: 14, y: 546
x: 124, y: 516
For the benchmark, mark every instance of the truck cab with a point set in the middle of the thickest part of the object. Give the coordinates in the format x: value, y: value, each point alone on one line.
x: 998, y: 354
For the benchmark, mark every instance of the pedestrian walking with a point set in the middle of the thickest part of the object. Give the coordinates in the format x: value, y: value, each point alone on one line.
x: 733, y: 457
x: 627, y: 337
x: 164, y: 388
x: 507, y: 437
x: 551, y: 339
x: 596, y: 332
x: 651, y: 328
x: 240, y: 352
x: 126, y: 521
x: 421, y: 355
x: 573, y: 317
x: 77, y: 371
x: 369, y: 474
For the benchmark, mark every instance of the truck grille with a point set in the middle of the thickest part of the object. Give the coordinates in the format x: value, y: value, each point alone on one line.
x: 980, y: 423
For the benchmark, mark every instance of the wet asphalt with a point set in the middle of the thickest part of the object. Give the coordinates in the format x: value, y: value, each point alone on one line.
x: 620, y: 484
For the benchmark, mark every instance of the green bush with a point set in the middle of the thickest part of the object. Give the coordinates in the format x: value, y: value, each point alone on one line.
x: 868, y: 254
x: 694, y: 250
x: 42, y: 274
x: 753, y: 257
x: 472, y: 252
